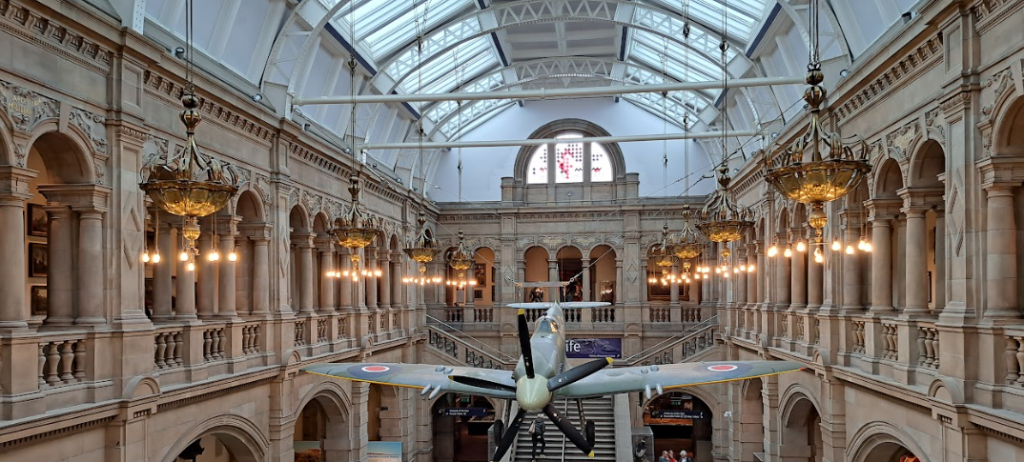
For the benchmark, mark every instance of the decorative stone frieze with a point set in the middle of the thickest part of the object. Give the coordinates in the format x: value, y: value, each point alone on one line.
x: 900, y: 73
x: 52, y: 36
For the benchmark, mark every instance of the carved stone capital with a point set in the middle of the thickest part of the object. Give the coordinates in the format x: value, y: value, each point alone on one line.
x: 80, y: 197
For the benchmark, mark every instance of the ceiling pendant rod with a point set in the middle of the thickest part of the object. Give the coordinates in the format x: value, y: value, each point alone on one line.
x: 544, y: 141
x: 551, y: 93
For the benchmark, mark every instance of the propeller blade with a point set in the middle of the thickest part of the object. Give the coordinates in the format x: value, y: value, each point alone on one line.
x: 577, y: 373
x: 569, y: 430
x: 524, y: 343
x: 481, y: 383
x: 511, y: 433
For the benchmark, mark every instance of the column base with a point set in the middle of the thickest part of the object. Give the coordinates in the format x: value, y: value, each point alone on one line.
x: 13, y: 325
x: 90, y: 321
x: 914, y: 313
x: 1000, y: 317
x: 58, y: 322
x: 877, y: 311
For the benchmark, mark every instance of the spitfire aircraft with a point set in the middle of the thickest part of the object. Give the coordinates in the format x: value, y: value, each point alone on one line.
x: 543, y: 375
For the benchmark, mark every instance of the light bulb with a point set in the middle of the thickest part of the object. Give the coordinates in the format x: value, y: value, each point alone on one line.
x: 773, y: 251
x: 736, y: 270
x: 867, y: 246
x: 800, y: 246
x: 344, y: 273
x: 818, y: 258
x: 145, y: 257
x: 860, y: 245
x: 191, y: 266
x: 836, y: 245
x: 156, y: 258
x: 751, y: 268
x: 849, y: 250
x: 726, y: 274
x: 788, y: 253
x: 183, y: 256
x: 377, y: 273
x: 214, y: 256
x: 718, y: 270
x: 232, y: 256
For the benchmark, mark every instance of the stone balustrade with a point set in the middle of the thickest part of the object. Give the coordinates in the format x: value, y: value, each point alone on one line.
x: 169, y: 343
x: 928, y: 346
x: 61, y: 362
x: 321, y: 330
x: 300, y: 332
x: 660, y: 314
x: 1014, y: 358
x: 890, y: 339
x: 213, y: 344
x: 857, y: 328
x: 251, y: 339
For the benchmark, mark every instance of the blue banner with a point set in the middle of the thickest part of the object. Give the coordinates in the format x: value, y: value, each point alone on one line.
x: 384, y: 451
x: 593, y: 348
x: 466, y: 411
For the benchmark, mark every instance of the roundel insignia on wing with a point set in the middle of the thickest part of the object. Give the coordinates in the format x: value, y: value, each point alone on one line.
x: 723, y: 368
x: 371, y: 371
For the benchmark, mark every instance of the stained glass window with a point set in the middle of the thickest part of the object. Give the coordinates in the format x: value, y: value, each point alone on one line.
x: 569, y: 160
x: 600, y: 164
x: 537, y: 171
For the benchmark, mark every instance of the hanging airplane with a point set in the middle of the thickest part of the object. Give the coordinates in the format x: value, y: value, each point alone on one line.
x: 542, y: 375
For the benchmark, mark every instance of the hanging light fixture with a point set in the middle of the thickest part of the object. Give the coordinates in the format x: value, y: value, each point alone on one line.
x: 356, y: 229
x: 460, y: 259
x: 189, y: 184
x: 824, y: 177
x: 663, y: 256
x: 422, y: 251
x: 686, y: 243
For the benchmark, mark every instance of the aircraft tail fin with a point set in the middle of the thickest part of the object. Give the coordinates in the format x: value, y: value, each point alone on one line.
x: 563, y: 305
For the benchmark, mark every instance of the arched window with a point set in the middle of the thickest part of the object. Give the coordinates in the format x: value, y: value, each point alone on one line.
x: 570, y: 163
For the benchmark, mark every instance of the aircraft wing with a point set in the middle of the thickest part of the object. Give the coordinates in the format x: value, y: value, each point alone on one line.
x: 614, y: 380
x: 432, y: 379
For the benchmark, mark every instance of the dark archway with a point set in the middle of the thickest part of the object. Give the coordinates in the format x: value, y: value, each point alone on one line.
x: 680, y: 421
x: 461, y: 425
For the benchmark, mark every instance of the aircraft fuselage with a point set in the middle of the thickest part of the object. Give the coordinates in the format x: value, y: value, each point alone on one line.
x: 548, y: 345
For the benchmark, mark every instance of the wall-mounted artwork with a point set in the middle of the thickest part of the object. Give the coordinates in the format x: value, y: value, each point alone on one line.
x: 40, y: 301
x: 37, y: 222
x: 38, y: 260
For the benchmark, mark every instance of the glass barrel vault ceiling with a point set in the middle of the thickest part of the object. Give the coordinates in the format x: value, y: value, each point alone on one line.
x: 458, y: 53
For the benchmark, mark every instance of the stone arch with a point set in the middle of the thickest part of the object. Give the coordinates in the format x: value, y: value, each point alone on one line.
x: 65, y: 154
x: 782, y: 223
x: 321, y: 223
x: 535, y: 264
x: 240, y: 435
x: 800, y: 425
x: 927, y: 162
x: 8, y: 154
x: 703, y: 446
x: 881, y: 442
x: 249, y: 206
x: 1008, y: 136
x: 553, y: 128
x: 298, y: 218
x: 888, y: 179
x: 332, y: 399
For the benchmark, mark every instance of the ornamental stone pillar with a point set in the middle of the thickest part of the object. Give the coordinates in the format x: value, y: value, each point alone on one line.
x: 798, y: 279
x: 305, y: 274
x: 261, y: 275
x: 782, y: 279
x: 384, y: 263
x: 345, y: 292
x: 326, y: 254
x: 851, y: 273
x: 59, y: 283
x: 880, y: 214
x: 552, y: 293
x: 917, y: 271
x: 162, y: 274
x: 206, y: 278
x: 90, y: 268
x: 14, y: 192
x: 226, y: 276
x: 586, y: 280
x: 1001, y: 256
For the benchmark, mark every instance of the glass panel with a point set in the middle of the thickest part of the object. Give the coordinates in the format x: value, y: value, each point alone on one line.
x: 537, y: 169
x: 600, y: 163
x: 569, y: 160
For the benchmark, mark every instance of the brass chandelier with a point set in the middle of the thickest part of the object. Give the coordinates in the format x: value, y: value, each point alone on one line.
x: 189, y: 184
x: 460, y: 259
x: 355, y: 230
x: 664, y: 259
x: 422, y: 250
x: 686, y: 243
x: 823, y: 178
x: 722, y: 219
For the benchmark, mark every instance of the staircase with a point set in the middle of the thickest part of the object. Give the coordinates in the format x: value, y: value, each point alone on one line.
x: 600, y: 410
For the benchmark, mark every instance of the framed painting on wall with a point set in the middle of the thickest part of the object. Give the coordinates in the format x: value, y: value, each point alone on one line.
x: 37, y: 222
x: 38, y: 260
x: 40, y: 301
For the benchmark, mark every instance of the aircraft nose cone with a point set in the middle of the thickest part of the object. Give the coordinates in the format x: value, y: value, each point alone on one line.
x: 532, y: 394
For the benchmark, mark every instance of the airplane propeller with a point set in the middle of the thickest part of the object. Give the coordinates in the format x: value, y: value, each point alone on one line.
x: 563, y: 379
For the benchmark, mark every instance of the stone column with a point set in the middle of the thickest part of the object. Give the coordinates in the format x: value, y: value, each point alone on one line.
x: 261, y: 275
x: 740, y: 284
x: 206, y: 277
x: 326, y: 283
x: 370, y: 256
x: 852, y: 300
x: 243, y: 274
x: 346, y: 281
x: 552, y: 293
x: 385, y: 280
x: 185, y: 297
x: 90, y: 268
x: 673, y: 290
x: 798, y: 279
x: 782, y: 283
x: 305, y: 274
x: 752, y: 278
x: 881, y: 261
x: 586, y: 280
x: 13, y: 194
x: 398, y: 292
x: 59, y: 283
x: 760, y: 294
x: 939, y: 278
x: 1001, y: 258
x: 815, y: 282
x: 917, y: 269
x: 162, y: 272
x: 226, y: 276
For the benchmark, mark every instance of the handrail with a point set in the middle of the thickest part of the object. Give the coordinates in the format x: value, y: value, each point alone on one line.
x: 673, y: 341
x: 507, y: 359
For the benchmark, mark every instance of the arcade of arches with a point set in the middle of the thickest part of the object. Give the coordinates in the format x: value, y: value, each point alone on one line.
x: 914, y: 351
